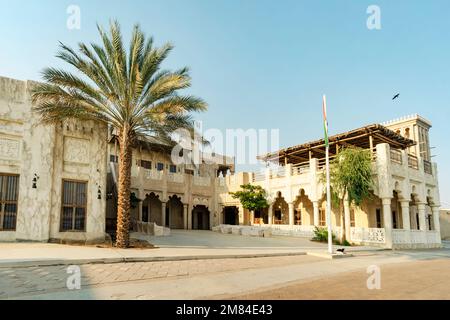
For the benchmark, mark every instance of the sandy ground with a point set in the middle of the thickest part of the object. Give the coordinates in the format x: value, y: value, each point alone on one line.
x: 413, y: 280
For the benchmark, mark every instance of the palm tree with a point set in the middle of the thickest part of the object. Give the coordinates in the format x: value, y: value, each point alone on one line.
x: 126, y: 91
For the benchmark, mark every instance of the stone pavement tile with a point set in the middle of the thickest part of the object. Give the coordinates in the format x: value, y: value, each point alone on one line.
x: 29, y: 279
x: 137, y: 276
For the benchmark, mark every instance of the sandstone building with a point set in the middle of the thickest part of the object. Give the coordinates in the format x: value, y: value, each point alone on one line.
x: 58, y: 182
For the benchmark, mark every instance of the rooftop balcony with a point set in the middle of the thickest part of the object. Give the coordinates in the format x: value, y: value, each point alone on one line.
x: 159, y: 180
x: 403, y: 164
x: 394, y: 162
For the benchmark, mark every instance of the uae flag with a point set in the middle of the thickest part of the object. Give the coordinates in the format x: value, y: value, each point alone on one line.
x: 325, y: 121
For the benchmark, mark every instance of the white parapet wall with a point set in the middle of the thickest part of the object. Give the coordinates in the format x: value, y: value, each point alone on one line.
x: 267, y: 230
x: 415, y: 239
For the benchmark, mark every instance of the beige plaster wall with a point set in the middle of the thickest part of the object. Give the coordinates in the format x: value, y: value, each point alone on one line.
x: 28, y: 147
x: 444, y: 219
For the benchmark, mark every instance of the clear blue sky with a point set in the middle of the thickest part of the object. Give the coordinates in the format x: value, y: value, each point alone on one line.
x: 265, y: 64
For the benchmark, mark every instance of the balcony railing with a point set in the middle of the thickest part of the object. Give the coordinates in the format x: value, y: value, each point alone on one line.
x: 413, y: 162
x: 396, y: 156
x: 259, y: 176
x: 175, y: 177
x: 279, y: 172
x: 300, y: 168
x: 202, y: 181
x: 153, y: 174
x: 427, y: 167
x: 322, y: 162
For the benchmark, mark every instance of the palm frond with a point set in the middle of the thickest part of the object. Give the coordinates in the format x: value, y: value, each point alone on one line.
x: 123, y: 88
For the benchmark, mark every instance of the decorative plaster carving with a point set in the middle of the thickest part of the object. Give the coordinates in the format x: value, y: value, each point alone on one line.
x: 157, y: 194
x: 76, y: 150
x: 178, y: 195
x: 9, y: 148
x: 200, y: 201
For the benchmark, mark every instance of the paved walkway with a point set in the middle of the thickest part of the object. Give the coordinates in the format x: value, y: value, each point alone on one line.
x: 17, y: 282
x: 213, y: 278
x: 180, y: 245
x: 189, y: 271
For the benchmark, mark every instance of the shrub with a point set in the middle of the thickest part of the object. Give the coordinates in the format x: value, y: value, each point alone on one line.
x: 343, y: 243
x: 346, y: 243
x: 321, y: 235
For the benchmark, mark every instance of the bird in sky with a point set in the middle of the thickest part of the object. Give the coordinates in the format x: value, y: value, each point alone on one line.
x: 396, y: 96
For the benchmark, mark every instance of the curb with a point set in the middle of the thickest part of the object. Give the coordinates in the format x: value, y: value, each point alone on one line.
x: 326, y: 255
x: 45, y: 263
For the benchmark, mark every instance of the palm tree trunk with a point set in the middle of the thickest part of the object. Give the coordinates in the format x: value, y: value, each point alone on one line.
x: 124, y: 184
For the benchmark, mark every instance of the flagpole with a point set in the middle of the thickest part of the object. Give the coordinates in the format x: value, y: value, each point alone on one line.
x: 327, y: 165
x: 330, y: 238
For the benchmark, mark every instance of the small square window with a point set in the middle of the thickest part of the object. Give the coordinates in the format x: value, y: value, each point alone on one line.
x: 113, y: 158
x: 173, y: 168
x: 146, y: 164
x: 160, y: 166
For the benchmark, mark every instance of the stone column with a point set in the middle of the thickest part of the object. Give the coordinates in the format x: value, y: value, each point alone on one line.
x: 291, y: 213
x: 189, y: 217
x: 241, y: 215
x: 185, y: 216
x: 163, y: 214
x: 422, y: 219
x: 387, y: 217
x: 316, y: 213
x: 140, y: 210
x: 436, y: 223
x: 251, y: 215
x: 406, y: 220
x: 347, y: 223
x: 270, y: 214
x: 221, y: 214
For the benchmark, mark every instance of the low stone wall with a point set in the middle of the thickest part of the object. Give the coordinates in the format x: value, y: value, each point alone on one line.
x: 415, y: 239
x: 417, y: 246
x: 7, y: 236
x: 266, y: 230
x: 150, y: 228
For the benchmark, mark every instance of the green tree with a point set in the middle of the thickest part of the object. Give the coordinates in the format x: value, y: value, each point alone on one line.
x: 251, y: 197
x: 124, y: 89
x: 351, y: 178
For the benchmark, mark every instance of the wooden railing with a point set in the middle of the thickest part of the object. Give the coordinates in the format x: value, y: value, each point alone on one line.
x: 259, y: 176
x: 413, y: 162
x: 300, y: 168
x: 373, y: 154
x: 396, y: 156
x: 322, y: 162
